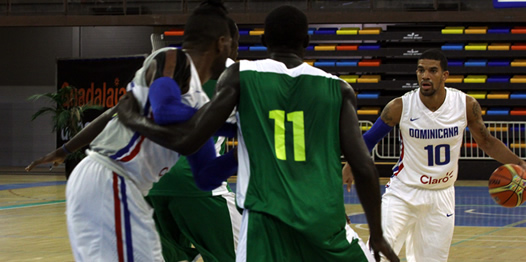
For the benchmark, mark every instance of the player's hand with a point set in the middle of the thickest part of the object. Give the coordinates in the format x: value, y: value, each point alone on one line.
x: 380, y: 245
x: 56, y: 157
x: 347, y: 176
x: 128, y: 108
x: 523, y: 165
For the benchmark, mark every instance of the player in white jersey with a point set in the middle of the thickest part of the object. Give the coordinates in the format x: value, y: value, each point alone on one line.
x: 108, y: 218
x: 418, y: 207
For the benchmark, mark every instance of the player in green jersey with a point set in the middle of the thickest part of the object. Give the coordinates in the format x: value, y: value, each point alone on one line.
x: 294, y: 121
x: 185, y: 216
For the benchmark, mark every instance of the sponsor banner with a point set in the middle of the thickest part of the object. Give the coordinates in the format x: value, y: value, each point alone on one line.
x: 100, y: 81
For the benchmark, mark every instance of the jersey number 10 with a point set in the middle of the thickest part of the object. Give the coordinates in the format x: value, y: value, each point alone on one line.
x: 433, y: 155
x: 298, y: 132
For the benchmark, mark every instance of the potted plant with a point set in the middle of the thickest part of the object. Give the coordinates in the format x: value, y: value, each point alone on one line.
x: 67, y: 113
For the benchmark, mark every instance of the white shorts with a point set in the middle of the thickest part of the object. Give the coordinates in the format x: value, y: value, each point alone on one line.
x: 422, y: 218
x: 108, y: 218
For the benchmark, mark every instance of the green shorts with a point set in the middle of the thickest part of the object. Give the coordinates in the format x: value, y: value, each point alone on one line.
x: 210, y: 224
x: 265, y: 238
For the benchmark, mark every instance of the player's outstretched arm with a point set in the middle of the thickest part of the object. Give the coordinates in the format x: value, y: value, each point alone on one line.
x: 186, y: 138
x: 83, y: 138
x: 485, y: 141
x: 365, y: 174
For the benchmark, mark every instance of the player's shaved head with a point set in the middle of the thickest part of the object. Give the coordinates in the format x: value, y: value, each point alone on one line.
x: 286, y: 27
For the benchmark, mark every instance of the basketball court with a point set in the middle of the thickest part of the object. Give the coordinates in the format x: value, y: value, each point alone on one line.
x: 33, y: 221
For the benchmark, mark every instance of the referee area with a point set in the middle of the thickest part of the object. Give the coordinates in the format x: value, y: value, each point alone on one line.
x: 33, y: 221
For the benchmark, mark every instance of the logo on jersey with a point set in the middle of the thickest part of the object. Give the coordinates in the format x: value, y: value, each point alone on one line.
x: 438, y: 133
x: 429, y: 180
x: 413, y: 119
x: 448, y: 215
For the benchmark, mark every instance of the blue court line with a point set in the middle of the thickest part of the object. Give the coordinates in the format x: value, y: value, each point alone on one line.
x: 28, y: 185
x: 33, y: 204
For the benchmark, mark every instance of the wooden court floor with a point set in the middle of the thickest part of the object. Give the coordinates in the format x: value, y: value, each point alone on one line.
x: 33, y: 225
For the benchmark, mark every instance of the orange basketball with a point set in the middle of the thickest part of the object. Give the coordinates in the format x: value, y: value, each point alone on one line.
x: 506, y: 185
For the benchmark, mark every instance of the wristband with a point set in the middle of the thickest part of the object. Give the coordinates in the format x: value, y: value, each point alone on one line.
x: 65, y: 149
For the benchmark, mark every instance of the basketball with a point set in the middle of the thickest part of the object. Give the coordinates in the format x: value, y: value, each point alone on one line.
x: 506, y: 185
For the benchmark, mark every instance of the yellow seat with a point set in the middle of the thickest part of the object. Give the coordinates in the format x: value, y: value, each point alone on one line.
x: 478, y: 94
x: 453, y: 30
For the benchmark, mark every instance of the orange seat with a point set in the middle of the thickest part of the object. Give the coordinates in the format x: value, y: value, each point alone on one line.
x: 370, y: 62
x: 174, y: 33
x: 346, y: 47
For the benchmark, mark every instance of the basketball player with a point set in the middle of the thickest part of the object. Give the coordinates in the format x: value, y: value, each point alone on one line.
x: 418, y: 207
x: 122, y: 166
x: 293, y: 122
x: 186, y: 216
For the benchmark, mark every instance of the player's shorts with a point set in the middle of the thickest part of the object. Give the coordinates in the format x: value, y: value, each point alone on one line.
x: 265, y: 238
x: 108, y: 218
x: 211, y: 224
x: 419, y: 217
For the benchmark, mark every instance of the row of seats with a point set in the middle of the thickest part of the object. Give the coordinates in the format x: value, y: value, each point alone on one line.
x: 486, y: 62
x: 491, y: 111
x: 481, y: 79
x: 344, y: 62
x: 320, y: 47
x: 484, y: 46
x: 324, y: 31
x: 475, y: 94
x: 483, y: 30
x: 374, y: 46
x: 469, y: 79
x: 451, y: 62
x: 497, y: 94
x: 377, y: 30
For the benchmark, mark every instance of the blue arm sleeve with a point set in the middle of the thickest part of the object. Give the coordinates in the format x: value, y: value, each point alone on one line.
x: 210, y: 171
x: 165, y: 100
x: 227, y: 130
x: 378, y: 131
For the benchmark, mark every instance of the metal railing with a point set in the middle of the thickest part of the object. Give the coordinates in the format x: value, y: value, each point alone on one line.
x: 512, y: 134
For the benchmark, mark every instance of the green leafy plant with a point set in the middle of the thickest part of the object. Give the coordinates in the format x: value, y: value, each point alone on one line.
x: 66, y: 113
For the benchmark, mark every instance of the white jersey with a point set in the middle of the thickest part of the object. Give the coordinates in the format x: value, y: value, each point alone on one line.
x: 431, y: 141
x: 128, y: 153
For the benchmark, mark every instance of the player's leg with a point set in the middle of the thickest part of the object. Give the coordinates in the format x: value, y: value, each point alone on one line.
x: 264, y: 238
x: 434, y: 226
x: 346, y: 245
x: 175, y: 246
x: 108, y: 219
x: 398, y: 218
x: 211, y: 223
x: 84, y: 225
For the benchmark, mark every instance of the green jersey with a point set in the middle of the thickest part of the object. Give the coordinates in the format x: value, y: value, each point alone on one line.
x: 289, y: 145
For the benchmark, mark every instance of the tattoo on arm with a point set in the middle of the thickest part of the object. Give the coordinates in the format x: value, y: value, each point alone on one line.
x: 385, y: 116
x: 476, y: 110
x: 477, y: 114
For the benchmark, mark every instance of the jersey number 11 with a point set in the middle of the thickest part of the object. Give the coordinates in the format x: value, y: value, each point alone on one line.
x: 298, y: 132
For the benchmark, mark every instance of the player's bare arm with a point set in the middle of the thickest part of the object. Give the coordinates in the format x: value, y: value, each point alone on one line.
x: 392, y: 112
x: 389, y: 117
x: 82, y: 139
x: 188, y: 137
x: 485, y: 141
x: 365, y: 173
